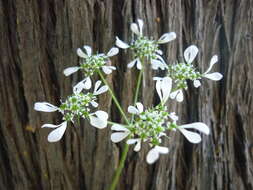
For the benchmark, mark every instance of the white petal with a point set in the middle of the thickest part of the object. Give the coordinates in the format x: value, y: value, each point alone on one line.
x: 113, y: 51
x: 140, y: 107
x: 98, y: 122
x: 84, y: 84
x: 132, y: 141
x: 202, y: 127
x: 196, y: 83
x: 88, y: 50
x: 160, y: 52
x: 121, y: 44
x: 117, y: 127
x: 190, y: 53
x: 102, y: 115
x: 173, y: 94
x: 57, y: 134
x: 139, y: 66
x: 101, y: 90
x: 97, y: 84
x: 214, y: 60
x: 213, y: 76
x: 108, y: 69
x: 158, y: 89
x: 50, y: 126
x: 157, y: 78
x: 152, y: 156
x: 140, y: 23
x: 45, y: 107
x: 173, y: 116
x: 70, y: 70
x: 134, y: 28
x: 191, y: 136
x: 180, y: 96
x: 133, y: 110
x: 157, y: 64
x: 162, y: 150
x: 118, y: 136
x: 137, y: 147
x: 167, y: 37
x: 94, y: 104
x: 166, y: 86
x: 80, y: 53
x: 131, y: 64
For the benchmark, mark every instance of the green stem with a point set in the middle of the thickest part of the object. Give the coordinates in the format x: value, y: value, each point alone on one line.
x: 114, y: 98
x: 126, y: 146
x: 137, y: 90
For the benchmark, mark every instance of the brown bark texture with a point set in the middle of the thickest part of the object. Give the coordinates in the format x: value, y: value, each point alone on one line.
x: 38, y: 40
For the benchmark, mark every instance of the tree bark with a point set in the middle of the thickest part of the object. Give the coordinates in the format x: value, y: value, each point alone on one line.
x: 38, y: 39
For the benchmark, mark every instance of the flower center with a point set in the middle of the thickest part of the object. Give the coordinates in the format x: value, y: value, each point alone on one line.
x: 92, y: 63
x: 77, y: 105
x: 181, y: 72
x: 150, y: 124
x: 143, y: 47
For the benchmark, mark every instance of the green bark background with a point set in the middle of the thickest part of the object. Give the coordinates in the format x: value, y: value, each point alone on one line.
x: 38, y: 39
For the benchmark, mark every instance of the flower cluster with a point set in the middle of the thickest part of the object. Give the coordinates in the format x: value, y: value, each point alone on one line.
x: 90, y: 63
x: 76, y: 106
x: 150, y: 125
x: 183, y: 71
x: 145, y: 48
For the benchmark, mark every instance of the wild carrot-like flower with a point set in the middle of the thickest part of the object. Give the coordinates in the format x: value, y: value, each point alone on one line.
x: 151, y: 125
x: 75, y: 106
x: 91, y: 63
x: 181, y: 72
x: 145, y: 48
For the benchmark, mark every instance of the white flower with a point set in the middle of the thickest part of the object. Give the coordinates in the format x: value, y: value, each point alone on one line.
x: 163, y: 88
x: 137, y: 143
x: 122, y: 133
x: 142, y: 44
x: 135, y: 110
x: 57, y: 133
x: 213, y: 76
x: 45, y: 107
x: 190, y: 53
x: 106, y: 69
x: 178, y: 94
x: 192, y: 136
x: 153, y: 154
x: 100, y: 120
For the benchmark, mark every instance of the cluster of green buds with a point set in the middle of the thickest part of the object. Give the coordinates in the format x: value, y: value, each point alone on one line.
x: 145, y: 48
x: 77, y: 105
x: 181, y: 72
x: 150, y: 124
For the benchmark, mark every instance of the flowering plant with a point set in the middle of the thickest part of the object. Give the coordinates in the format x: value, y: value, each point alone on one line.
x: 145, y: 126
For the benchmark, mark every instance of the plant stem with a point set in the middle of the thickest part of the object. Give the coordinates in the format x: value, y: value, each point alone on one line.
x: 137, y: 90
x: 126, y: 146
x: 114, y: 98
